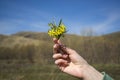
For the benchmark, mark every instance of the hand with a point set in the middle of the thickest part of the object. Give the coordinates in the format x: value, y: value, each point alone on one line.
x: 69, y: 61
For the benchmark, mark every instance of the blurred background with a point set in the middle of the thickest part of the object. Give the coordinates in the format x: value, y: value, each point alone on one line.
x: 26, y: 49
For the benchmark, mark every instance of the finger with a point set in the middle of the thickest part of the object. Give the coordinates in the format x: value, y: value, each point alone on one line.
x: 64, y: 49
x: 65, y: 56
x: 59, y: 55
x: 59, y: 42
x: 56, y: 48
x: 56, y: 56
x: 68, y: 50
x: 61, y: 62
x: 55, y: 40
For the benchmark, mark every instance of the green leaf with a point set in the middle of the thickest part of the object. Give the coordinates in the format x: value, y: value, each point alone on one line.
x: 60, y: 22
x: 50, y: 24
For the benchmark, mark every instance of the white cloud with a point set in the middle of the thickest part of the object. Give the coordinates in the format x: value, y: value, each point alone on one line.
x: 16, y: 25
x: 98, y: 28
x: 37, y: 20
x: 28, y: 19
x: 107, y: 25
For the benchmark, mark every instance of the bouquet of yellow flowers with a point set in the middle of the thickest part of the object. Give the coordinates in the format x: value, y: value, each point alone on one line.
x: 57, y: 31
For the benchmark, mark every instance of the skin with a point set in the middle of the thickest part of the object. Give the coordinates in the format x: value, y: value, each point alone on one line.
x: 70, y: 62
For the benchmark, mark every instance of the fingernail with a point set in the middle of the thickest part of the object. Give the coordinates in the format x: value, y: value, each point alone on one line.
x: 55, y: 40
x: 55, y: 46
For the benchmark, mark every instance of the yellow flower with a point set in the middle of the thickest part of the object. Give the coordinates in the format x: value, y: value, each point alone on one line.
x: 56, y: 31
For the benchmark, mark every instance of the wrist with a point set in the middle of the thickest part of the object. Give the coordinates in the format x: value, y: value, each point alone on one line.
x: 90, y: 73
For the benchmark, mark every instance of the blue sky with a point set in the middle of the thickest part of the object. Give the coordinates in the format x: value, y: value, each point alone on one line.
x: 100, y: 16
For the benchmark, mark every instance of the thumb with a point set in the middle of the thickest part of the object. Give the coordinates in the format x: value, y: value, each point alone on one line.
x: 55, y: 40
x: 67, y: 50
x: 63, y: 47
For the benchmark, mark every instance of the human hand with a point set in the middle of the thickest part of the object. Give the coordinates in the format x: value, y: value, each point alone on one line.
x: 68, y: 60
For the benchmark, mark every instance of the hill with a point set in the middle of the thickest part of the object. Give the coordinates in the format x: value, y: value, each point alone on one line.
x: 37, y: 47
x: 28, y: 55
x: 33, y: 35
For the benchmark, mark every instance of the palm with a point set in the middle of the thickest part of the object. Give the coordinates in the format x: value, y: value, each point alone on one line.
x: 72, y: 69
x: 69, y: 61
